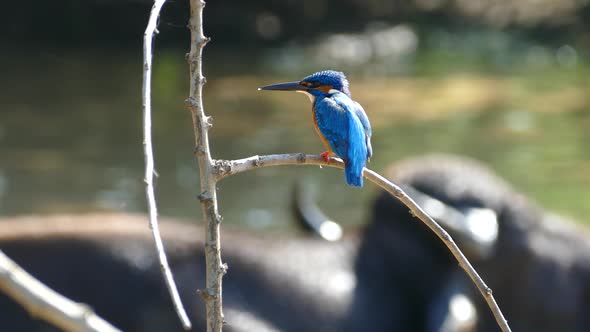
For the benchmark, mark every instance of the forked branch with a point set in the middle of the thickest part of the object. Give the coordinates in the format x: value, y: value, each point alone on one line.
x: 215, y: 268
x: 211, y: 171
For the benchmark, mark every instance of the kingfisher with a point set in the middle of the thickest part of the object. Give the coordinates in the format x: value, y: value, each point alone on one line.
x: 341, y: 123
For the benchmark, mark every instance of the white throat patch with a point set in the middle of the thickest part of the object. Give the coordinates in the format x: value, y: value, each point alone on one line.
x: 311, y: 97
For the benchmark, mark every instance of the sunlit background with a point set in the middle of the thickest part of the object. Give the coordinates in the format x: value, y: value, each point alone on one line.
x: 503, y: 81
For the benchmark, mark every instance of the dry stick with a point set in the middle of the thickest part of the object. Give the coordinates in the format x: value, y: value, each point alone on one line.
x: 212, y: 171
x: 149, y: 162
x: 215, y: 269
x: 226, y: 168
x: 40, y: 301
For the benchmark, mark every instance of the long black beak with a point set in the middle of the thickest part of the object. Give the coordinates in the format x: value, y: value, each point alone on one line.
x: 289, y: 86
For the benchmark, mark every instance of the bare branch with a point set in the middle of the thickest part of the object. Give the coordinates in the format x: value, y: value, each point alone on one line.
x: 149, y: 162
x: 207, y: 173
x: 40, y: 301
x: 226, y: 168
x: 211, y: 171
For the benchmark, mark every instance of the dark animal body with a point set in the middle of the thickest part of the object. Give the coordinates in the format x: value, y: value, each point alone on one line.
x: 108, y: 262
x: 539, y: 269
x: 391, y: 276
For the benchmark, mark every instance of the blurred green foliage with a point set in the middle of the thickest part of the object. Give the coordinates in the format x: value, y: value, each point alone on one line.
x: 502, y: 81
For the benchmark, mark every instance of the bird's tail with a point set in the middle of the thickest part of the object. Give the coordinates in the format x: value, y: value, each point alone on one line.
x: 354, y: 173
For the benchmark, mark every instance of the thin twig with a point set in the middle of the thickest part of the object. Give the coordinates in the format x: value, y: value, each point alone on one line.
x: 149, y: 162
x: 40, y: 301
x: 226, y: 168
x: 215, y: 268
x: 211, y: 171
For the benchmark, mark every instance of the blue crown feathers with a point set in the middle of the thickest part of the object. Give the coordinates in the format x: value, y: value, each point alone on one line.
x: 334, y: 78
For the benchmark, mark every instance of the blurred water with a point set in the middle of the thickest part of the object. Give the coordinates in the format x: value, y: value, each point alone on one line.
x: 70, y: 134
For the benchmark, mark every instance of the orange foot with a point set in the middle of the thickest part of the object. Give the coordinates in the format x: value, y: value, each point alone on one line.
x: 326, y: 156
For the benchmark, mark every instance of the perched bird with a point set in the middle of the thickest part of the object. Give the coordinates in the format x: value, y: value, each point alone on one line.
x: 340, y: 121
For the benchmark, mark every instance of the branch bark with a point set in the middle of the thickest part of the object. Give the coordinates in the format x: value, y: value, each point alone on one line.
x: 215, y: 269
x: 211, y: 171
x: 149, y: 163
x: 227, y: 168
x: 40, y: 301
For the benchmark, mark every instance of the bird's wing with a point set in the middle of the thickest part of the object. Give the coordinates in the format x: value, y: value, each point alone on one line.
x: 360, y: 113
x: 358, y: 110
x: 338, y: 122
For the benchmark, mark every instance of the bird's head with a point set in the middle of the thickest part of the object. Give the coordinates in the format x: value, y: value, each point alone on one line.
x: 321, y: 83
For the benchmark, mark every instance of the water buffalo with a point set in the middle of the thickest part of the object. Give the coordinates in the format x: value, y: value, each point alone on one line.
x: 538, y: 265
x: 393, y: 275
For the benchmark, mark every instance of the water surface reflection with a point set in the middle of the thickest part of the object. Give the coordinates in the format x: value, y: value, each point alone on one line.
x: 70, y: 137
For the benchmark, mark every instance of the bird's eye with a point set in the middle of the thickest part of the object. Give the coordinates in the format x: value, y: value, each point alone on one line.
x: 314, y: 84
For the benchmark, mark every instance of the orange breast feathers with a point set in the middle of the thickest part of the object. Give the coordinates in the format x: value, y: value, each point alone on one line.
x: 317, y: 130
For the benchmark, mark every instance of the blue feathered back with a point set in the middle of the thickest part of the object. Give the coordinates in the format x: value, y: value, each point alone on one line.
x: 356, y: 154
x: 338, y: 122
